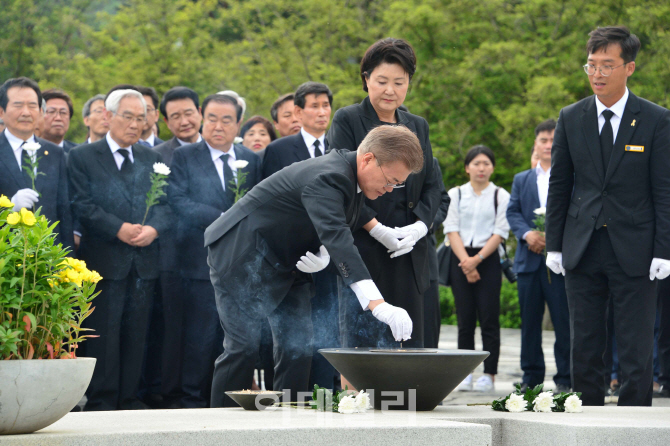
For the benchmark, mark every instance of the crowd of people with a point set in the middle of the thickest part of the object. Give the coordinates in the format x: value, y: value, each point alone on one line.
x: 279, y: 237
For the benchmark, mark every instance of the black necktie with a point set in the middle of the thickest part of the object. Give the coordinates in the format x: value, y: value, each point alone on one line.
x: 607, y: 139
x: 228, y: 178
x: 317, y: 151
x: 25, y: 162
x: 127, y: 165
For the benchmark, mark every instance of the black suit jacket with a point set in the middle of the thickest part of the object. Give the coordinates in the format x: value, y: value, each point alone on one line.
x: 197, y: 198
x: 53, y: 185
x: 440, y: 216
x: 102, y: 202
x: 68, y: 145
x: 421, y: 196
x: 167, y: 148
x: 283, y: 152
x: 300, y: 208
x: 633, y: 194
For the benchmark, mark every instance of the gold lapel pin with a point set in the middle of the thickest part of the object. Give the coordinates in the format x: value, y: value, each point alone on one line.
x: 633, y: 123
x: 46, y: 152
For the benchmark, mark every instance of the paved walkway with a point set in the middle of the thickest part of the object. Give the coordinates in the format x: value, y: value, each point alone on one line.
x: 509, y: 370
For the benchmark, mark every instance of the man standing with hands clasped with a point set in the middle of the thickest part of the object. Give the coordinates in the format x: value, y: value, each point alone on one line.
x: 608, y: 218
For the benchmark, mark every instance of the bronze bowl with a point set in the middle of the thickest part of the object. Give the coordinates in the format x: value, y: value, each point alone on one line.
x: 432, y: 373
x: 255, y: 400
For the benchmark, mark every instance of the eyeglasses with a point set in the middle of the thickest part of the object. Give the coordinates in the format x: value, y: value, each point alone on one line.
x: 128, y: 118
x: 53, y: 112
x: 605, y: 70
x: 388, y: 183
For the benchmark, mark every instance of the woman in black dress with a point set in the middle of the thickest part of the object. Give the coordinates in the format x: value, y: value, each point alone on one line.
x: 386, y: 71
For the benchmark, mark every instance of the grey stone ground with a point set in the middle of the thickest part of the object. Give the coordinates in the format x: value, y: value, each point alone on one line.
x: 509, y: 369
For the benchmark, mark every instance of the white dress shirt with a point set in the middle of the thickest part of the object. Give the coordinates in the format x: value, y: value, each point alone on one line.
x: 218, y: 162
x: 183, y: 143
x: 115, y: 151
x: 16, y: 143
x: 151, y: 140
x: 617, y: 109
x: 309, y: 142
x: 473, y: 216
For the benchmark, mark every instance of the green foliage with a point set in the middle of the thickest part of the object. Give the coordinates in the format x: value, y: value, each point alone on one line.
x: 510, y: 314
x: 324, y: 400
x: 157, y: 190
x: 44, y: 295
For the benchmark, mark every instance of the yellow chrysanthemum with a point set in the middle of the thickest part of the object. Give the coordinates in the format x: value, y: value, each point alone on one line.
x: 5, y: 203
x: 27, y: 217
x: 14, y: 218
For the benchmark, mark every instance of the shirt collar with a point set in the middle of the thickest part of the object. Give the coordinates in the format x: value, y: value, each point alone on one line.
x: 61, y: 143
x: 114, y: 146
x: 617, y: 108
x: 150, y: 139
x: 539, y: 171
x: 183, y: 143
x: 216, y: 154
x: 486, y: 190
x: 16, y: 142
x: 309, y: 139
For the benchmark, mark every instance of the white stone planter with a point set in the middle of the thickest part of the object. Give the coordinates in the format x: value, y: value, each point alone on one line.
x: 35, y: 393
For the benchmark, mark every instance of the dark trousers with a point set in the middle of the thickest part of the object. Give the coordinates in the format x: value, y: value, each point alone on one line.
x: 479, y: 300
x: 291, y: 326
x: 120, y: 320
x: 325, y: 307
x: 598, y: 276
x: 172, y: 346
x: 534, y: 290
x: 664, y: 333
x: 432, y: 319
x: 150, y: 381
x: 203, y: 342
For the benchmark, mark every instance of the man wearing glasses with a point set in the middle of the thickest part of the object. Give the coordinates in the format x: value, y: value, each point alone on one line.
x: 608, y: 218
x: 57, y: 118
x: 109, y: 181
x: 148, y: 137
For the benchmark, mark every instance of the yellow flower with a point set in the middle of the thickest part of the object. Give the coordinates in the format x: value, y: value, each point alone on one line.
x: 27, y: 217
x: 14, y: 218
x: 5, y: 203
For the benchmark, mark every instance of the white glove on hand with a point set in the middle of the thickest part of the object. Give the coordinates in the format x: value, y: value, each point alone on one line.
x: 416, y: 230
x: 393, y: 239
x: 660, y: 269
x: 313, y: 263
x: 396, y: 318
x: 24, y: 198
x: 555, y: 262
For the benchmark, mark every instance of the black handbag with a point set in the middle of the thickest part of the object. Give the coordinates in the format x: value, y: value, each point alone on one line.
x: 443, y: 262
x: 506, y: 264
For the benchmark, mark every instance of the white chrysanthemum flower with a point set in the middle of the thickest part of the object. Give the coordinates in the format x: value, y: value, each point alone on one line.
x: 347, y: 405
x: 573, y: 404
x: 363, y: 401
x: 544, y: 402
x: 31, y: 147
x: 540, y: 211
x: 161, y: 168
x: 515, y: 403
x: 241, y: 164
x: 238, y: 140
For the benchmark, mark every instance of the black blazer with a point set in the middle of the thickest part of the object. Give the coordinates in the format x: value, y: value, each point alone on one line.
x: 439, y: 219
x: 303, y: 206
x: 283, y: 152
x: 167, y: 148
x: 53, y: 185
x: 522, y: 202
x: 68, y: 145
x: 197, y: 198
x: 633, y: 194
x: 419, y: 199
x: 102, y: 202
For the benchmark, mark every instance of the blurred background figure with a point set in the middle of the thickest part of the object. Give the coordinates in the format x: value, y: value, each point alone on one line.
x: 240, y: 100
x: 149, y: 136
x: 283, y: 115
x: 256, y: 134
x: 57, y: 118
x: 95, y: 118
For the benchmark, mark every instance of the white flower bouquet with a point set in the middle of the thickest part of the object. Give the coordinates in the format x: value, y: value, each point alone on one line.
x: 538, y: 401
x: 344, y: 401
x: 158, y: 183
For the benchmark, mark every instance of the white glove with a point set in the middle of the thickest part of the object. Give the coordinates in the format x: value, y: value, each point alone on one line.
x: 393, y: 239
x: 555, y: 262
x: 660, y: 269
x: 416, y: 230
x: 313, y: 263
x: 396, y: 318
x: 24, y: 198
x: 366, y: 290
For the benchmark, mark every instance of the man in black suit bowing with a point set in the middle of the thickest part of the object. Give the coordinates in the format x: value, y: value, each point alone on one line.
x: 204, y: 178
x: 312, y: 107
x: 608, y: 218
x: 20, y: 101
x: 109, y: 182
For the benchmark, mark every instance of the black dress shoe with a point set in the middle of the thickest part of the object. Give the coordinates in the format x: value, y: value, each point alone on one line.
x: 562, y: 388
x: 663, y: 392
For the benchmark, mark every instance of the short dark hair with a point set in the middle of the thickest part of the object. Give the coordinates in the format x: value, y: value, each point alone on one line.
x: 21, y: 82
x: 394, y: 143
x: 177, y: 93
x: 121, y: 87
x: 479, y: 150
x: 391, y: 51
x: 278, y: 103
x: 258, y: 120
x: 151, y: 92
x: 223, y: 99
x: 56, y: 93
x: 545, y: 126
x: 601, y: 38
x: 314, y: 88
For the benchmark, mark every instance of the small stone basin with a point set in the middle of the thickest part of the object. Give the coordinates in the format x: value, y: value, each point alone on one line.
x: 432, y: 373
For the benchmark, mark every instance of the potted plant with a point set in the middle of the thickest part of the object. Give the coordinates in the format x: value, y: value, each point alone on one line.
x: 44, y: 297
